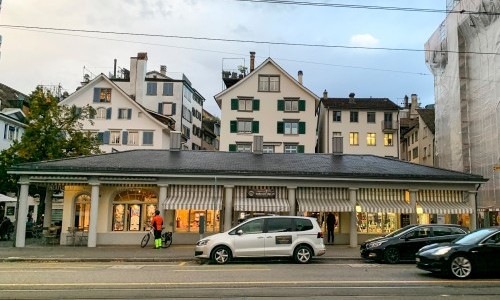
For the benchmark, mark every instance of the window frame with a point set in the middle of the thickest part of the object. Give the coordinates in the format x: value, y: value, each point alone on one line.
x: 151, y: 88
x: 268, y: 149
x: 370, y: 114
x: 244, y: 147
x: 248, y: 104
x: 133, y: 138
x: 337, y: 116
x: 291, y: 128
x: 388, y: 137
x: 100, y: 113
x: 354, y: 138
x: 291, y: 103
x: 265, y: 83
x: 291, y: 148
x: 354, y: 116
x: 371, y: 139
x: 242, y: 125
x: 115, y: 137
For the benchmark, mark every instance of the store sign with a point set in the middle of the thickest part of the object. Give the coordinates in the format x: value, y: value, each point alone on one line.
x: 261, y: 193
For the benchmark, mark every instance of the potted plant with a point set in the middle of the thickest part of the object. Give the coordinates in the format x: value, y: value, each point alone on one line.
x: 226, y: 74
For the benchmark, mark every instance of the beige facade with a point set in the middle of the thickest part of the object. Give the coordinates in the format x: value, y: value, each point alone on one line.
x: 270, y: 103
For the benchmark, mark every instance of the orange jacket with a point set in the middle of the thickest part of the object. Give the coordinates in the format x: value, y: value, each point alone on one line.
x: 157, y: 222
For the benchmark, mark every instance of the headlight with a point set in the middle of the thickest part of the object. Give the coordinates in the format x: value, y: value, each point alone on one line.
x: 441, y: 251
x: 202, y: 242
x: 374, y: 244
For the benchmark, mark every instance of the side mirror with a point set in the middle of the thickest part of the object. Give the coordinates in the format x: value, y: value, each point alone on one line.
x: 239, y: 232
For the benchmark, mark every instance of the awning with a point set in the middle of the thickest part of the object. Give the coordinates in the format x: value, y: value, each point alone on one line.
x: 443, y: 202
x: 384, y: 201
x: 4, y: 198
x: 323, y: 199
x: 277, y: 203
x: 202, y: 197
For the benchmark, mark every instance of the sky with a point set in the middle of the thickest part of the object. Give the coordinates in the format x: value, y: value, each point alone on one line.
x: 31, y: 57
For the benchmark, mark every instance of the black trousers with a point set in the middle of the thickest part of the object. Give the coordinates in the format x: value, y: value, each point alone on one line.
x: 157, y: 234
x: 331, y: 237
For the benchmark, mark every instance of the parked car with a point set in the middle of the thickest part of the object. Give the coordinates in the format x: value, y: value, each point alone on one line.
x: 402, y: 244
x: 270, y: 236
x: 478, y: 251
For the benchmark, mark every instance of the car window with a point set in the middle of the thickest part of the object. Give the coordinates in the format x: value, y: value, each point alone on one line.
x: 303, y: 225
x: 255, y: 226
x: 419, y: 233
x: 279, y: 225
x: 441, y: 231
x: 494, y: 239
x: 456, y: 230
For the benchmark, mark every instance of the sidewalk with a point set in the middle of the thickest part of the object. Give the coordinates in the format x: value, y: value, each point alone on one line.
x: 35, y: 252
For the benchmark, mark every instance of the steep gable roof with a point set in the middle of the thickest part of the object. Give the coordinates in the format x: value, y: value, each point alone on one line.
x: 428, y: 117
x: 8, y: 95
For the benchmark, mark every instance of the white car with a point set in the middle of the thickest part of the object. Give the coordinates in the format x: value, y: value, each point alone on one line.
x: 272, y: 236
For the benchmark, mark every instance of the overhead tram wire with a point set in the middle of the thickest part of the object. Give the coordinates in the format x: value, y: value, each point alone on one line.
x: 240, y: 41
x: 371, y: 7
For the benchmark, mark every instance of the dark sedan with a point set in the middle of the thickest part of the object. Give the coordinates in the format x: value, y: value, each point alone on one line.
x: 402, y: 244
x: 478, y: 251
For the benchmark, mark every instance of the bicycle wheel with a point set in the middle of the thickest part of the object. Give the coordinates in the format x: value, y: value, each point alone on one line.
x: 167, y: 239
x: 145, y: 240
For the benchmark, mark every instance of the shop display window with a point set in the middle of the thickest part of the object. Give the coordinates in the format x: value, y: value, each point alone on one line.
x: 188, y: 220
x: 321, y: 217
x: 376, y: 223
x: 133, y: 210
x: 82, y: 211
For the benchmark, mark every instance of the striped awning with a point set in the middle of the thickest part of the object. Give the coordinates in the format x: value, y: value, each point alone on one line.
x: 202, y: 197
x: 381, y: 194
x: 385, y: 206
x: 323, y: 199
x: 443, y: 202
x: 279, y: 203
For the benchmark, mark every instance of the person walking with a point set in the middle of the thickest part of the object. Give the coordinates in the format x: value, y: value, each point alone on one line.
x: 330, y: 227
x: 157, y: 224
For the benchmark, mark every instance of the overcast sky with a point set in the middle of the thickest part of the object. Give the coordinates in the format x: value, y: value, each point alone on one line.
x: 31, y: 57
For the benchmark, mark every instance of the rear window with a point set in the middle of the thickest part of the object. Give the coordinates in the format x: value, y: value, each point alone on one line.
x: 303, y: 225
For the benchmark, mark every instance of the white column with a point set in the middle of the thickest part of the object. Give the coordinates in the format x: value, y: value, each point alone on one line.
x: 228, y: 207
x: 472, y: 203
x: 291, y: 199
x: 413, y: 204
x: 94, y: 215
x: 22, y: 212
x: 47, y: 214
x: 353, y: 232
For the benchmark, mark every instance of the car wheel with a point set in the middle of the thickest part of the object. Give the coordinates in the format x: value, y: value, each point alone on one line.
x: 302, y: 254
x: 461, y: 267
x: 221, y: 255
x: 391, y: 255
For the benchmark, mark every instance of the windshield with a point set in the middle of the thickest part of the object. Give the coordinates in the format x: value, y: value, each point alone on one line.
x: 474, y: 237
x: 399, y: 231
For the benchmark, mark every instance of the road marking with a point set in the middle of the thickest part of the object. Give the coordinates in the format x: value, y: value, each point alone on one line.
x: 128, y: 267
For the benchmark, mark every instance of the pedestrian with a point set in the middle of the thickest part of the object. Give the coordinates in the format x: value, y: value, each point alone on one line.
x: 157, y: 224
x: 330, y: 227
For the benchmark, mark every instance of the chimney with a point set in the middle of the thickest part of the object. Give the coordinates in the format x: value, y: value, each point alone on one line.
x: 258, y: 141
x: 175, y: 140
x: 163, y: 70
x: 137, y: 75
x: 252, y: 61
x: 406, y: 101
x: 414, y: 105
x: 114, y: 69
x: 337, y: 145
x: 351, y: 98
x: 325, y: 95
x: 299, y: 77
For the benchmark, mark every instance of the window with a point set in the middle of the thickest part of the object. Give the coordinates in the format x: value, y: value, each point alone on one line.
x: 10, y: 132
x: 416, y: 136
x: 354, y: 116
x: 102, y: 95
x: 124, y: 113
x: 336, y: 133
x: 337, y: 116
x: 151, y: 88
x: 246, y: 147
x: 147, y: 138
x: 377, y: 223
x: 168, y: 89
x: 268, y: 149
x: 133, y: 210
x: 133, y: 138
x: 100, y: 113
x: 425, y: 152
x: 303, y: 225
x: 186, y: 131
x: 82, y: 211
x: 354, y: 138
x: 279, y: 225
x: 186, y: 113
x: 245, y: 104
x: 168, y: 109
x: 441, y: 231
x: 291, y: 104
x: 115, y: 137
x: 370, y: 117
x: 244, y: 126
x: 252, y: 227
x: 291, y: 127
x: 415, y: 152
x: 419, y: 233
x: 371, y: 139
x: 291, y: 148
x: 388, y: 139
x: 269, y: 83
x: 187, y: 94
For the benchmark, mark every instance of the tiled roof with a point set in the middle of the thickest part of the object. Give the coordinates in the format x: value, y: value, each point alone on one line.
x: 9, y: 96
x: 215, y: 163
x: 360, y: 103
x: 428, y: 116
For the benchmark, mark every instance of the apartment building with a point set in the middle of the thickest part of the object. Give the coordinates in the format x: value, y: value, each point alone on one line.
x: 210, y: 132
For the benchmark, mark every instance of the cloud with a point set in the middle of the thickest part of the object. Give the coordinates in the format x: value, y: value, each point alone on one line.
x: 364, y: 40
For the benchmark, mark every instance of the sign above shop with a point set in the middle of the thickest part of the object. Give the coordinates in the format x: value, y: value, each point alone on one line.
x: 261, y: 193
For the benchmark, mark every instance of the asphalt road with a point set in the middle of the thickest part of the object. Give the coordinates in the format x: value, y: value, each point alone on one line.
x: 239, y: 280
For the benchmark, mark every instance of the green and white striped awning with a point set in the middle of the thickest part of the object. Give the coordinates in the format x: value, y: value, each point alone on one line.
x: 202, y: 197
x: 278, y: 203
x: 384, y: 201
x: 443, y: 202
x: 322, y: 199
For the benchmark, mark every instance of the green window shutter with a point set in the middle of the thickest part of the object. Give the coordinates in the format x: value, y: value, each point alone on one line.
x: 255, y: 126
x: 302, y: 127
x: 232, y: 147
x: 234, y: 126
x: 280, y: 128
x: 234, y: 104
x: 281, y: 105
x: 300, y: 148
x: 302, y: 105
x: 255, y: 104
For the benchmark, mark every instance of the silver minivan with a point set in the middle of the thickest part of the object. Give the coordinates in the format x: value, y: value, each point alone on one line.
x: 297, y: 237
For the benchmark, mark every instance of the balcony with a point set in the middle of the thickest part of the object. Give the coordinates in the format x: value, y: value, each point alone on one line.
x: 389, y: 126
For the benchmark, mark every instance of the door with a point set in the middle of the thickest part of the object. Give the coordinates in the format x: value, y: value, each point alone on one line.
x: 487, y: 254
x: 413, y: 241
x: 388, y: 120
x: 250, y: 243
x: 279, y: 237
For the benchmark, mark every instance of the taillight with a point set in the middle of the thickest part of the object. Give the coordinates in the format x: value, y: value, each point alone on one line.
x: 320, y: 235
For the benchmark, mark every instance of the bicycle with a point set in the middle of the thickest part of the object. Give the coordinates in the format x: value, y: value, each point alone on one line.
x: 166, y: 238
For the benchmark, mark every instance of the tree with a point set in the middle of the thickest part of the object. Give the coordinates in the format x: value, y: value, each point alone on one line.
x: 53, y: 132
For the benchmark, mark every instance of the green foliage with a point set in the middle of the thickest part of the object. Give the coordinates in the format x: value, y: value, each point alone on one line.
x: 53, y: 132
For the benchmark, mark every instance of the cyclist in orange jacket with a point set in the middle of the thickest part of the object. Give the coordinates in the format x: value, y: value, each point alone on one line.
x: 157, y: 224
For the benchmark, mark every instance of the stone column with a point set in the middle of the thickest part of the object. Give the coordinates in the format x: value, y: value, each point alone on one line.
x: 47, y: 214
x: 228, y: 207
x: 471, y: 195
x: 94, y: 215
x: 413, y: 204
x: 22, y: 212
x: 291, y: 199
x: 353, y: 232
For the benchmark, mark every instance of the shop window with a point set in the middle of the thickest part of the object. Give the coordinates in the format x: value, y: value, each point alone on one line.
x: 376, y: 223
x: 82, y: 211
x: 189, y: 220
x: 133, y: 210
